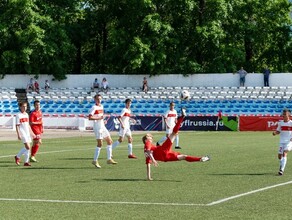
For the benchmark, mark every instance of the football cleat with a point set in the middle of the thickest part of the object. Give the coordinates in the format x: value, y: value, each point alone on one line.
x: 111, y: 161
x: 157, y: 143
x: 177, y: 147
x: 32, y: 159
x: 132, y: 156
x: 281, y: 172
x: 205, y: 158
x: 183, y: 112
x: 27, y: 164
x: 96, y: 164
x: 17, y: 160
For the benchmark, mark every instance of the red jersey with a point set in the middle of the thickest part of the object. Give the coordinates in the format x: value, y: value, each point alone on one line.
x: 151, y: 147
x: 36, y: 116
x: 161, y: 153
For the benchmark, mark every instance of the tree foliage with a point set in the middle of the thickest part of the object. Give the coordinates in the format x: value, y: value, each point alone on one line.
x: 144, y: 36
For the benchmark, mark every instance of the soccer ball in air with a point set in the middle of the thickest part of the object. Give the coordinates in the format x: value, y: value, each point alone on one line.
x: 184, y: 95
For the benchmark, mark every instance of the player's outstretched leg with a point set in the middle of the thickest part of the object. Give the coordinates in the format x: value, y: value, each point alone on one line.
x: 179, y: 121
x: 193, y: 158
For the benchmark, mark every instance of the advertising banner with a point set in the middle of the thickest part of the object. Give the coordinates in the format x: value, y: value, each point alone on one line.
x: 210, y: 123
x: 139, y: 123
x: 258, y: 123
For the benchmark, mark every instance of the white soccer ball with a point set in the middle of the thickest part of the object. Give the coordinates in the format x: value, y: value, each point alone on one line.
x: 184, y: 95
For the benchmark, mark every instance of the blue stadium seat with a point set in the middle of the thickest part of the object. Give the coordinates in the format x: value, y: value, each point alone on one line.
x: 76, y: 110
x: 193, y: 110
x: 7, y: 110
x: 59, y: 110
x: 84, y: 111
x: 68, y: 110
x: 50, y: 110
x: 160, y: 111
x: 109, y: 111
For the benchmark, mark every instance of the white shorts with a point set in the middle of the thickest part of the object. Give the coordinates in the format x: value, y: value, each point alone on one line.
x: 169, y: 130
x: 26, y: 139
x: 125, y: 132
x: 285, y: 147
x: 101, y: 133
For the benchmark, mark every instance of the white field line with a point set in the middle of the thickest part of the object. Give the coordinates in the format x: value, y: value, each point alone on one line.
x: 102, y: 202
x: 146, y: 203
x: 247, y: 193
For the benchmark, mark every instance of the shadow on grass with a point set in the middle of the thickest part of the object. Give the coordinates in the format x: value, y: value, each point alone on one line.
x: 135, y: 180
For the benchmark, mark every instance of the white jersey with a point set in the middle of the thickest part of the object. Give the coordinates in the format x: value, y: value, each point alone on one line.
x: 285, y: 129
x: 170, y: 117
x: 125, y: 117
x: 97, y: 110
x: 22, y: 120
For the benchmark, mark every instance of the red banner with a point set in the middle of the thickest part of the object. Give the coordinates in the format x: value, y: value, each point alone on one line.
x: 258, y: 123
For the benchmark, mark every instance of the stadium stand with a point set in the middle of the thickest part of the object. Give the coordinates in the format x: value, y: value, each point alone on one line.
x: 204, y: 100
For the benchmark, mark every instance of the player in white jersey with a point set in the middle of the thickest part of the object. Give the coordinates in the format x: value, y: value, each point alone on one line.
x: 124, y: 119
x: 170, y: 119
x: 96, y: 114
x: 285, y: 130
x: 24, y: 132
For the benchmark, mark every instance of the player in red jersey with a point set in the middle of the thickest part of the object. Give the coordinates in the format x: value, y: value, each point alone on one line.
x: 36, y: 124
x: 164, y: 153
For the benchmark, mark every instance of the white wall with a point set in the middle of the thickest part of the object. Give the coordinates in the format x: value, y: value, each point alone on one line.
x: 85, y: 81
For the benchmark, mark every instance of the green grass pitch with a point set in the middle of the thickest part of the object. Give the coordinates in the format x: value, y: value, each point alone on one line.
x: 64, y: 184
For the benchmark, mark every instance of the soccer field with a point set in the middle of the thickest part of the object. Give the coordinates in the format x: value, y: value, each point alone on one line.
x: 240, y: 181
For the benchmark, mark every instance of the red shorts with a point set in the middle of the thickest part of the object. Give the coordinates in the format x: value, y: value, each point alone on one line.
x: 164, y: 152
x: 166, y: 155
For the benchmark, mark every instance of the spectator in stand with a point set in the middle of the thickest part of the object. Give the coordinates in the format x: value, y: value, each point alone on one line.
x: 30, y: 86
x: 36, y: 87
x: 95, y: 84
x: 266, y: 73
x: 145, y: 85
x: 47, y: 85
x: 104, y: 85
x: 242, y: 73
